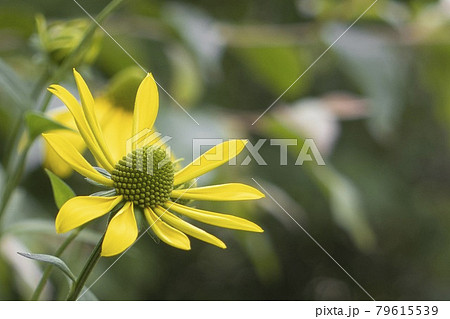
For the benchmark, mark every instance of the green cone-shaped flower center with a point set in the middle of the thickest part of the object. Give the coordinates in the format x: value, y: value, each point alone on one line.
x: 144, y: 177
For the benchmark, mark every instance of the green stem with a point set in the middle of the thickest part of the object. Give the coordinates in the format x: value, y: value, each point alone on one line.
x: 12, y: 180
x: 48, y: 270
x: 17, y: 127
x: 88, y: 267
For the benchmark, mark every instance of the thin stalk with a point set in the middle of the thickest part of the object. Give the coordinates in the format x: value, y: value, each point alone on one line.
x: 12, y: 180
x: 48, y: 270
x: 17, y: 127
x: 88, y: 267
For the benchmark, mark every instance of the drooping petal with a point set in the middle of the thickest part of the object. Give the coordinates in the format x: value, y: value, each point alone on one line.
x: 88, y: 104
x: 167, y: 233
x: 146, y: 105
x: 187, y: 228
x: 70, y: 154
x: 216, y: 219
x: 121, y: 233
x: 211, y: 159
x: 223, y: 192
x: 53, y: 161
x: 80, y: 120
x: 82, y: 209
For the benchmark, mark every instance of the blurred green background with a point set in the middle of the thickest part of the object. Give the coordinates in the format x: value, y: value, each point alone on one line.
x: 377, y: 105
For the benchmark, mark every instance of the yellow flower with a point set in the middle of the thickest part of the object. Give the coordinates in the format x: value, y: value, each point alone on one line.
x: 145, y: 178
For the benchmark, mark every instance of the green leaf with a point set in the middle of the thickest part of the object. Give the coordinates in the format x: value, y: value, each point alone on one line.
x: 61, y: 191
x: 345, y: 200
x: 379, y: 70
x: 186, y: 78
x: 346, y: 205
x: 38, y: 123
x: 123, y: 86
x: 277, y: 67
x: 47, y: 227
x: 55, y: 261
x: 13, y: 86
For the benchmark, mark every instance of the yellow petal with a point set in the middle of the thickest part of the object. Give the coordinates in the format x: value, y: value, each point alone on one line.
x: 82, y: 209
x: 88, y: 104
x: 116, y: 128
x: 121, y: 233
x: 53, y: 161
x: 223, y: 192
x: 63, y: 116
x: 167, y: 233
x: 70, y: 154
x: 80, y: 120
x: 146, y: 105
x: 216, y: 219
x: 211, y: 159
x: 187, y: 228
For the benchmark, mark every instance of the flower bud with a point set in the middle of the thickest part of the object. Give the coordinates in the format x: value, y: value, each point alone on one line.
x: 58, y: 39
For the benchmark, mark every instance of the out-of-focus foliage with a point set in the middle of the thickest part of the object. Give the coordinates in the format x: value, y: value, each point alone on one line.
x: 376, y: 104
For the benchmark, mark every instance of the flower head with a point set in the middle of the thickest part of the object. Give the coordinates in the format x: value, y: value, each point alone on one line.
x: 146, y: 179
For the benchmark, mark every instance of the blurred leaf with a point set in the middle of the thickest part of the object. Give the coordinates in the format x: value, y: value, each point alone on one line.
x: 347, y: 10
x: 377, y: 69
x: 39, y: 123
x: 123, y: 87
x: 436, y: 69
x: 61, y: 191
x: 13, y: 86
x: 112, y: 59
x: 344, y: 197
x: 263, y: 256
x: 31, y: 226
x: 47, y: 227
x: 345, y: 204
x: 6, y: 279
x: 290, y: 204
x: 276, y: 67
x: 199, y: 31
x: 55, y: 261
x: 25, y: 276
x: 186, y: 78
